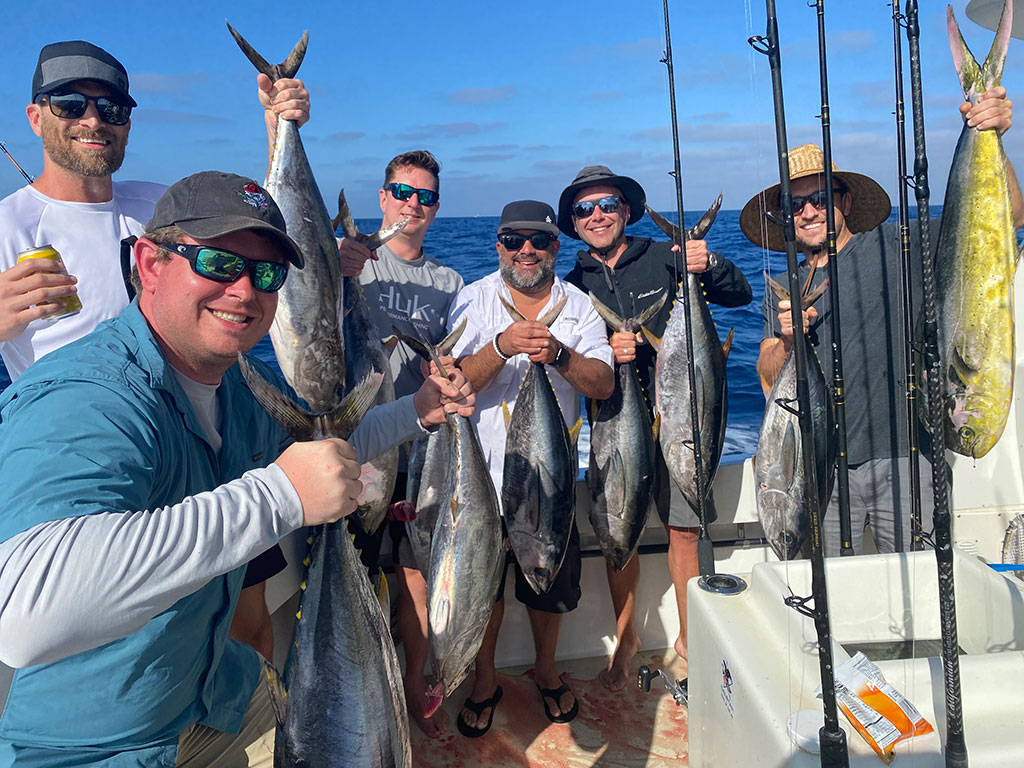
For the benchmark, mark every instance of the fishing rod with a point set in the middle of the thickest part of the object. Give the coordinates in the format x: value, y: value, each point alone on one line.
x: 956, y: 746
x: 3, y: 148
x: 907, y: 299
x: 831, y: 737
x: 838, y: 386
x: 705, y: 551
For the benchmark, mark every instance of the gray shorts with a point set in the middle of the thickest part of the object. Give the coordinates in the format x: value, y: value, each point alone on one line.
x: 879, y: 493
x: 673, y: 508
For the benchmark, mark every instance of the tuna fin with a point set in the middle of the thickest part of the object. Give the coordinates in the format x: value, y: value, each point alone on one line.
x: 278, y: 694
x: 511, y: 308
x: 299, y: 423
x: 415, y: 345
x: 664, y: 224
x: 383, y: 594
x: 285, y: 69
x: 381, y: 236
x: 350, y: 230
x: 697, y: 232
x: 776, y: 287
x: 389, y: 344
x: 654, y: 341
x: 549, y: 317
x: 788, y: 455
x: 574, y: 432
x: 650, y: 312
x: 505, y: 412
x: 613, y: 320
x: 343, y: 420
x: 448, y: 342
x: 814, y: 294
x: 727, y: 346
x: 656, y: 427
x: 453, y: 507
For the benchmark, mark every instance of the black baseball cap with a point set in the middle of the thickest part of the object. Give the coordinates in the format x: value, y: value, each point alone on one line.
x: 71, y: 60
x: 528, y: 214
x: 212, y: 204
x: 599, y: 175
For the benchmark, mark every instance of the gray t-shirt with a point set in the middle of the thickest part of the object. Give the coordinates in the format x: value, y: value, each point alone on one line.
x: 871, y: 315
x: 395, y: 291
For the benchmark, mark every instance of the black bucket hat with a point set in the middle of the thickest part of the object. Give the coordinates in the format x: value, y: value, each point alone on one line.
x: 594, y: 176
x: 212, y: 204
x: 71, y: 60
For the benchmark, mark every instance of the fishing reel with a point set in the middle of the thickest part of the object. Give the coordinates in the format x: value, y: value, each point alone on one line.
x: 679, y: 689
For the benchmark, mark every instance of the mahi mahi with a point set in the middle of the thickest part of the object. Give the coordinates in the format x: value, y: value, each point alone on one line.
x: 341, y: 702
x: 975, y: 266
x: 672, y: 383
x: 780, y: 489
x: 622, y: 453
x: 538, y: 489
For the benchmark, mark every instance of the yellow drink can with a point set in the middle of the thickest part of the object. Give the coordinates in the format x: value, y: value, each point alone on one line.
x: 71, y: 304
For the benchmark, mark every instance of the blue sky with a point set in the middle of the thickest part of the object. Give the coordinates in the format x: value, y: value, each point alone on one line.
x: 514, y: 98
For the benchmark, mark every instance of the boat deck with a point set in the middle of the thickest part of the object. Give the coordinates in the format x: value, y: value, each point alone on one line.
x: 627, y: 729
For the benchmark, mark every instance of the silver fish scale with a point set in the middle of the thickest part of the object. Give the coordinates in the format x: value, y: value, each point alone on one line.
x: 1013, y: 544
x: 306, y: 332
x: 345, y: 704
x: 538, y: 491
x: 466, y: 559
x: 778, y: 463
x: 672, y: 393
x: 622, y: 467
x: 365, y: 354
x: 428, y: 490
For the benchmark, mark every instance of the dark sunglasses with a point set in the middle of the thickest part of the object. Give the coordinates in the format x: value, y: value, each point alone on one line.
x: 585, y: 209
x: 513, y: 241
x: 403, y: 192
x: 226, y: 267
x: 818, y: 199
x: 71, y: 106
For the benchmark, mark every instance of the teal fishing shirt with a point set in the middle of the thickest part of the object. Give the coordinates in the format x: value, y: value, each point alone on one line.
x: 102, y: 425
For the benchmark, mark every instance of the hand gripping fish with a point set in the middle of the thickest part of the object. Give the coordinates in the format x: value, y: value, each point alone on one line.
x: 975, y: 266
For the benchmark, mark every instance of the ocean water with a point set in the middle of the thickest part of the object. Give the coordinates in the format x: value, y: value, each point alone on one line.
x: 467, y: 245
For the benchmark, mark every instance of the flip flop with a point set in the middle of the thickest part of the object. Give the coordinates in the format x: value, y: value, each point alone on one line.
x: 555, y: 694
x: 477, y: 708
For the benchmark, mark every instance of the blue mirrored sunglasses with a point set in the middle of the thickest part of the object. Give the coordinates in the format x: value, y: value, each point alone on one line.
x: 403, y: 192
x: 226, y: 267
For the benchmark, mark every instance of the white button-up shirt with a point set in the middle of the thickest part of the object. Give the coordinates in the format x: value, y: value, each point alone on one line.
x: 578, y: 326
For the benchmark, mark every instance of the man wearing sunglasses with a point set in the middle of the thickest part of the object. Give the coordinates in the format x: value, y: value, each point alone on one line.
x: 495, y: 353
x: 81, y: 109
x: 632, y: 272
x: 407, y: 289
x: 131, y: 516
x: 870, y: 294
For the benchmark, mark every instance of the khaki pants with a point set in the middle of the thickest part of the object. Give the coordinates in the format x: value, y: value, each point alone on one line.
x: 251, y: 747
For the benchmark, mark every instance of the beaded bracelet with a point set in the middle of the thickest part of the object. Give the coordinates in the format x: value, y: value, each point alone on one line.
x: 502, y: 355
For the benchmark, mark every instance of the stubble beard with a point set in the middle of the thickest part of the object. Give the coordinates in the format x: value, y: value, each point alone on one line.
x: 59, y: 146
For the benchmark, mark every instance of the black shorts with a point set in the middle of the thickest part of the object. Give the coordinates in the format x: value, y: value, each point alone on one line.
x: 564, y: 594
x: 673, y: 508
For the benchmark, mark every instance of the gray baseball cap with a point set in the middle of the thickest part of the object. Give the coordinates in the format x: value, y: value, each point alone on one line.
x: 71, y: 60
x: 212, y: 204
x: 528, y: 214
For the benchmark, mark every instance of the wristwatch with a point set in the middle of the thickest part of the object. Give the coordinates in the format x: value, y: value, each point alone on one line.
x: 562, y: 357
x: 714, y: 261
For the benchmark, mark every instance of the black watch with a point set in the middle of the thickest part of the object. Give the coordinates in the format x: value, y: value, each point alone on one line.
x: 562, y: 358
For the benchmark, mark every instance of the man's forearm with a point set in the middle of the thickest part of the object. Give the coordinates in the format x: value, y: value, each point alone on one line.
x: 769, y: 362
x: 481, y: 368
x: 590, y: 377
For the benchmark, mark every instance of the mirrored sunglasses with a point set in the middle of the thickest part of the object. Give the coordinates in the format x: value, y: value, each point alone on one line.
x: 71, y: 106
x: 609, y: 205
x: 227, y: 267
x: 513, y: 241
x: 403, y: 192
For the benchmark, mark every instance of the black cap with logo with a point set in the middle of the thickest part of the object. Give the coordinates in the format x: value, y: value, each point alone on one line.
x: 528, y: 214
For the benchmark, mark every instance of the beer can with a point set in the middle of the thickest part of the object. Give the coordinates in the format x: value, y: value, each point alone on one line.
x: 71, y: 304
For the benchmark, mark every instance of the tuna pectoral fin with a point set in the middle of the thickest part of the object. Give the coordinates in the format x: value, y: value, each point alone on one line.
x: 298, y: 423
x: 383, y: 594
x: 656, y: 427
x: 654, y: 341
x: 344, y: 419
x: 505, y: 414
x: 285, y: 69
x: 788, y: 456
x: 727, y: 347
x: 278, y: 694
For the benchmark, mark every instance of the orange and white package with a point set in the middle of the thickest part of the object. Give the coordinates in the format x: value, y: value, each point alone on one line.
x: 880, y: 713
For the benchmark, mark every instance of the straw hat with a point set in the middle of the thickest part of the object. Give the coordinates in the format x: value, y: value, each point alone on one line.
x: 871, y: 205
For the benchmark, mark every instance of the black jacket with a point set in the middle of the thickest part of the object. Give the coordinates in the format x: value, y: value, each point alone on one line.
x: 641, y: 272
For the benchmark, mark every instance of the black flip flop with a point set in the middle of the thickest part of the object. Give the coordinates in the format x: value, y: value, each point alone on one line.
x: 477, y: 708
x: 555, y: 694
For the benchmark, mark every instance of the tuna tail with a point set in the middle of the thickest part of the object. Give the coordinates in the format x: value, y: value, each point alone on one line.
x: 285, y: 69
x: 975, y: 80
x: 350, y: 230
x: 547, y: 318
x: 432, y: 352
x: 808, y: 299
x: 278, y: 693
x: 696, y: 232
x: 617, y: 323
